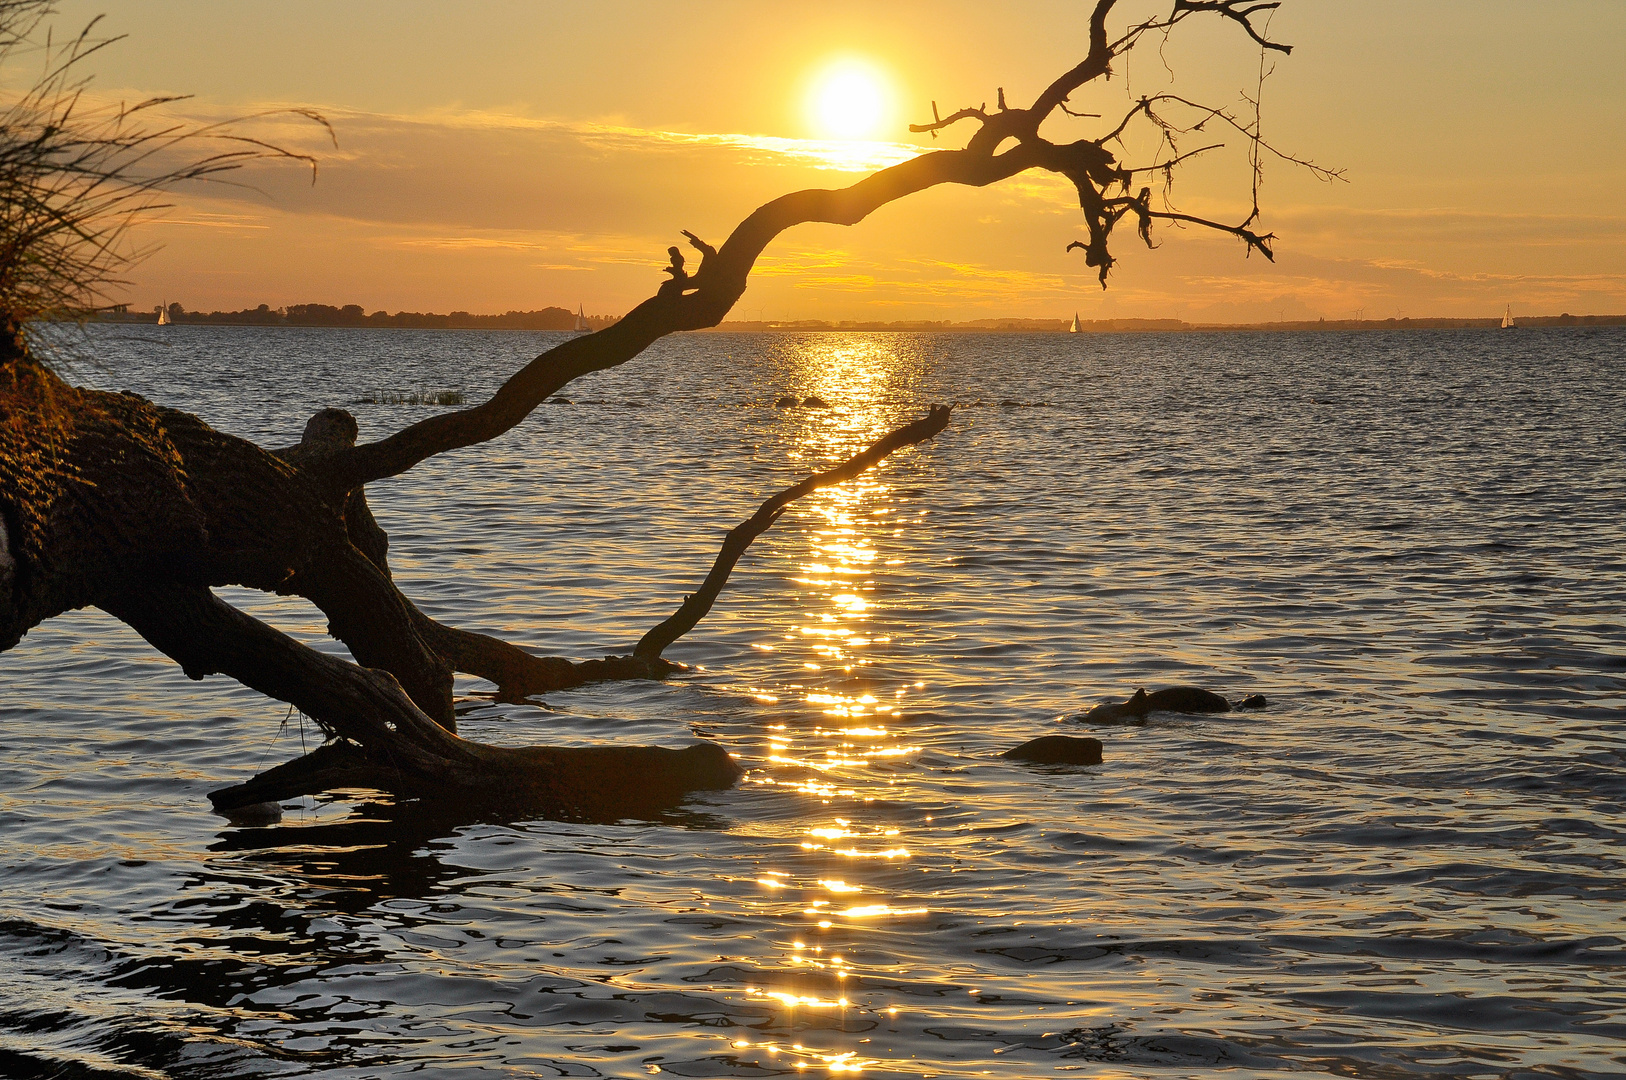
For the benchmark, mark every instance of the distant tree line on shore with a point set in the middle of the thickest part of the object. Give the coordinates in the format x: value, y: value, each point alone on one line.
x: 558, y: 318
x: 1137, y: 326
x: 549, y: 318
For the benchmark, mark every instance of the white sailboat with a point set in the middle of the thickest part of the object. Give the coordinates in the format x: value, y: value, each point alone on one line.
x: 1507, y: 319
x: 163, y: 315
x: 581, y: 322
x: 1075, y: 328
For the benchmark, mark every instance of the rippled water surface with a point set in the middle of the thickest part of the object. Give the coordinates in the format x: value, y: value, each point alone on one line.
x: 1410, y: 864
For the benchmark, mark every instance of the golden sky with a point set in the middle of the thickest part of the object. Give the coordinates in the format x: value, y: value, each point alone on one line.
x: 515, y: 155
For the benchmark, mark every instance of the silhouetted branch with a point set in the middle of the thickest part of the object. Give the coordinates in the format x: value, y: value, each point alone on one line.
x: 690, y: 302
x: 1210, y: 112
x: 382, y: 739
x: 695, y: 607
x: 1078, y: 115
x: 1167, y: 165
x: 1238, y: 11
x: 1139, y: 207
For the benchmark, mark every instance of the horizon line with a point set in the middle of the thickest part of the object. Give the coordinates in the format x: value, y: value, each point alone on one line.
x: 554, y: 319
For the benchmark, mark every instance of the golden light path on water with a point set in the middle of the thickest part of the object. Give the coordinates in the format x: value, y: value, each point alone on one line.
x: 851, y: 723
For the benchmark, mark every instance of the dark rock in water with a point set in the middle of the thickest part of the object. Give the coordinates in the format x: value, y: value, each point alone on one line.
x: 1058, y: 750
x: 815, y: 403
x: 786, y: 402
x: 1181, y: 699
x: 1253, y: 701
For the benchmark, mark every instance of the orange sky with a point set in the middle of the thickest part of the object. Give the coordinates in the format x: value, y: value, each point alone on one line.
x: 520, y: 154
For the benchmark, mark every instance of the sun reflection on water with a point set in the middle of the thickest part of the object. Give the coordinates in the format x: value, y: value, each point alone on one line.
x: 840, y: 733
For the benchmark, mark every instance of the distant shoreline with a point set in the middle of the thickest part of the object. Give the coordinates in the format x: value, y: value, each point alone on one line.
x: 1167, y: 326
x: 353, y: 316
x: 558, y: 319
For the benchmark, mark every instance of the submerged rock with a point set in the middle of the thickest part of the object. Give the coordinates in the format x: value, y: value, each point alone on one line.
x: 1058, y: 750
x: 815, y: 403
x: 787, y: 402
x: 1181, y: 699
x: 1253, y: 701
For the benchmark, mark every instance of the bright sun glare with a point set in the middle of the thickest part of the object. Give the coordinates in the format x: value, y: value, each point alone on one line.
x: 850, y: 100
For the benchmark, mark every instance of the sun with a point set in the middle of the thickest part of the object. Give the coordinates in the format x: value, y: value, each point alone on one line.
x: 850, y: 99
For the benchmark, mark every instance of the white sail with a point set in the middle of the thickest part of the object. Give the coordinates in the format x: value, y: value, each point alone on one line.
x: 1075, y: 328
x: 1507, y: 318
x: 163, y: 315
x: 581, y: 321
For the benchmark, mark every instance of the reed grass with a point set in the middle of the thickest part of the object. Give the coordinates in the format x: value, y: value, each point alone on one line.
x: 76, y: 174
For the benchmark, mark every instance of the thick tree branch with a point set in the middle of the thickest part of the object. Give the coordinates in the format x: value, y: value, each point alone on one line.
x: 519, y: 674
x: 717, y: 285
x: 376, y: 622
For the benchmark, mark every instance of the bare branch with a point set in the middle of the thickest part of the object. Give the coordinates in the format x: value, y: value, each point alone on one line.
x: 1210, y: 112
x: 1238, y: 11
x: 1167, y: 165
x: 689, y: 302
x: 695, y: 607
x: 1138, y: 205
x: 1239, y: 14
x: 1079, y: 115
x: 705, y: 249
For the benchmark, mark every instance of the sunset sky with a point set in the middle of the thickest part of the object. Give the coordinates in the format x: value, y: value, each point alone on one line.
x: 506, y: 155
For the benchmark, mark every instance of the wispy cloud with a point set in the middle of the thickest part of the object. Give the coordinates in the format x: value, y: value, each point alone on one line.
x: 487, y: 210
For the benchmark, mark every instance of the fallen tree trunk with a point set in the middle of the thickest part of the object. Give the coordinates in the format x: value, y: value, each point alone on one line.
x: 109, y: 500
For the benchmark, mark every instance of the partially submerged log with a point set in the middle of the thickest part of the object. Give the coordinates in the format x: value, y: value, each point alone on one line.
x: 381, y: 739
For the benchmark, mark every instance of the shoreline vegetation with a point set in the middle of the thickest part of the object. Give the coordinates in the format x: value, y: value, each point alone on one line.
x: 557, y: 318
x: 354, y: 315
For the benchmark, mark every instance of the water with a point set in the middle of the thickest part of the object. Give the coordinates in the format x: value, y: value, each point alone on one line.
x: 1410, y: 864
